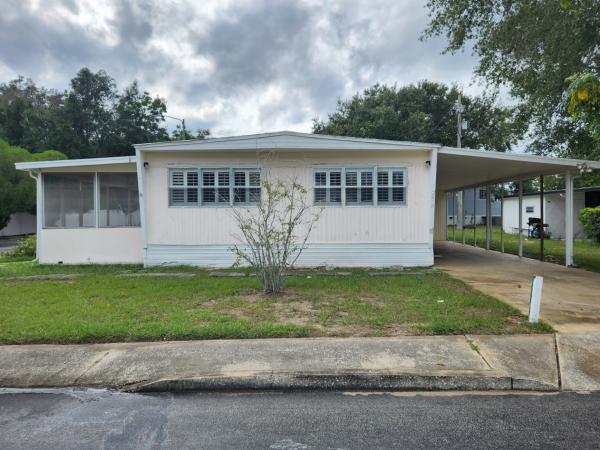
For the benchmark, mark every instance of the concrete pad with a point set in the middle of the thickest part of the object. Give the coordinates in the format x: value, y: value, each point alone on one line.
x: 529, y: 359
x: 579, y: 358
x: 570, y: 297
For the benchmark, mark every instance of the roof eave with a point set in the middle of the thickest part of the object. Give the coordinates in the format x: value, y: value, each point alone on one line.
x: 37, y: 165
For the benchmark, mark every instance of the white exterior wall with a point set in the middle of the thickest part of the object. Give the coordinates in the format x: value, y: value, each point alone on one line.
x: 91, y: 245
x: 344, y: 236
x: 554, y: 213
x: 20, y: 223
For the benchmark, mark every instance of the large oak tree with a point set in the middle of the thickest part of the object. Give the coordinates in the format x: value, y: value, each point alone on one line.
x: 533, y: 47
x: 423, y: 112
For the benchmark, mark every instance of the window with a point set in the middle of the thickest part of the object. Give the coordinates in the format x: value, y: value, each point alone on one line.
x: 214, y: 187
x: 359, y: 187
x: 391, y: 187
x: 482, y: 194
x: 69, y: 200
x: 246, y: 189
x: 529, y: 209
x: 328, y: 187
x: 119, y: 200
x: 380, y: 186
x: 183, y: 187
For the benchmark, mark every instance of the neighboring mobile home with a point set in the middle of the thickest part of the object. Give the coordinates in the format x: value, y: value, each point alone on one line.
x: 382, y: 201
x: 554, y: 210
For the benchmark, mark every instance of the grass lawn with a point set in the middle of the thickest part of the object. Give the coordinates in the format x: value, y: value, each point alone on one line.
x: 107, y: 303
x: 586, y: 254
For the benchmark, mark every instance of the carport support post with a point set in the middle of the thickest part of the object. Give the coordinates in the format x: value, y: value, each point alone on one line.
x: 474, y: 217
x: 454, y: 216
x: 542, y: 217
x: 502, y: 217
x: 568, y: 219
x: 520, y: 218
x: 462, y: 211
x: 488, y: 217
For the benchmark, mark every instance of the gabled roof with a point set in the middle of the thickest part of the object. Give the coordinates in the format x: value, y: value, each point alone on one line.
x: 33, y: 165
x: 284, y: 140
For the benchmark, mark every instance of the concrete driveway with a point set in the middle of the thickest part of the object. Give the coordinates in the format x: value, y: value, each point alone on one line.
x: 571, y: 297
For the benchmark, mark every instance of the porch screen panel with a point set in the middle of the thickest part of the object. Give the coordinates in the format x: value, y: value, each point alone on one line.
x: 69, y: 200
x: 119, y: 200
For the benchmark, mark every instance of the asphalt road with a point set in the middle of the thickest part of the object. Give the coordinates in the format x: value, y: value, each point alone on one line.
x: 100, y: 419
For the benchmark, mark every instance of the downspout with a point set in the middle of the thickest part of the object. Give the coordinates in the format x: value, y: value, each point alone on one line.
x: 142, y: 191
x: 38, y: 212
x: 432, y: 191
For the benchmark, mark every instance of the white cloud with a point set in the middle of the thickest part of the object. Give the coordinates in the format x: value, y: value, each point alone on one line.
x: 236, y: 66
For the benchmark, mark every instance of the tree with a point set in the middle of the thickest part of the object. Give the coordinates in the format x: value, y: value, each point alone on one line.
x: 583, y: 96
x: 179, y: 134
x: 139, y: 118
x: 18, y: 98
x: 89, y: 108
x: 274, y: 234
x: 17, y: 189
x: 533, y: 47
x: 424, y: 113
x: 91, y: 119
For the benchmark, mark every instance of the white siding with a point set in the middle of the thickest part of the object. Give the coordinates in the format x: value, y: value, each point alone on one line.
x: 91, y: 245
x: 341, y: 226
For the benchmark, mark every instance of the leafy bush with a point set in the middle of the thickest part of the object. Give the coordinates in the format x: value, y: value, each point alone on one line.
x: 590, y: 220
x: 25, y: 247
x: 273, y: 234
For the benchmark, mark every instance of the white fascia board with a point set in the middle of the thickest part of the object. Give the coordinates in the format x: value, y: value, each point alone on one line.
x: 282, y: 141
x: 518, y: 157
x: 34, y: 165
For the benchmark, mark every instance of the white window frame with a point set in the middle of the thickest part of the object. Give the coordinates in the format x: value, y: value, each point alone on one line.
x: 374, y: 170
x: 201, y: 186
x: 359, y: 186
x: 185, y: 187
x: 404, y: 186
x: 328, y: 186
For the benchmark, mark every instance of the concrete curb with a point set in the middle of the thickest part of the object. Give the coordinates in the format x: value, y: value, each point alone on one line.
x: 350, y: 380
x: 441, y: 363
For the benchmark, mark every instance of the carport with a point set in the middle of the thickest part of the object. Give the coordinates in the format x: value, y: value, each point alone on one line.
x: 461, y: 169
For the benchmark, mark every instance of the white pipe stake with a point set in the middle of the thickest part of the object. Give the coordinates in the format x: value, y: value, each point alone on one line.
x: 535, y: 300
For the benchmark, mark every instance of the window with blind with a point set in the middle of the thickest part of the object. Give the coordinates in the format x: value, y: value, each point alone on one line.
x: 328, y: 187
x: 391, y: 187
x: 214, y: 187
x: 381, y: 186
x: 183, y: 187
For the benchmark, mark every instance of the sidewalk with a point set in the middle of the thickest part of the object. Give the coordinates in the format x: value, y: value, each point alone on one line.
x: 526, y: 362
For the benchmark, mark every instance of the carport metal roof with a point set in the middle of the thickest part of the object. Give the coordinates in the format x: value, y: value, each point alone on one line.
x: 464, y: 168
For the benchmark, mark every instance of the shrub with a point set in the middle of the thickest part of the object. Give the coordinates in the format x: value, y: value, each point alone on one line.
x: 590, y: 221
x: 25, y: 247
x: 273, y: 234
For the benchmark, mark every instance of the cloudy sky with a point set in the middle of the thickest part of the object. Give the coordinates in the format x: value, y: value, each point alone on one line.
x: 234, y: 66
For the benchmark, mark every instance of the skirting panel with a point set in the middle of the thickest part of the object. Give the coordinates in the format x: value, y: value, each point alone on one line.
x: 351, y: 254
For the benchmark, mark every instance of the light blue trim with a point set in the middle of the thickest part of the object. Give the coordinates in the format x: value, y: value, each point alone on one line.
x: 342, y: 254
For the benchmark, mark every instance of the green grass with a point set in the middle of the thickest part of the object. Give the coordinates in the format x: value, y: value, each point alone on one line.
x: 586, y: 254
x: 102, y: 305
